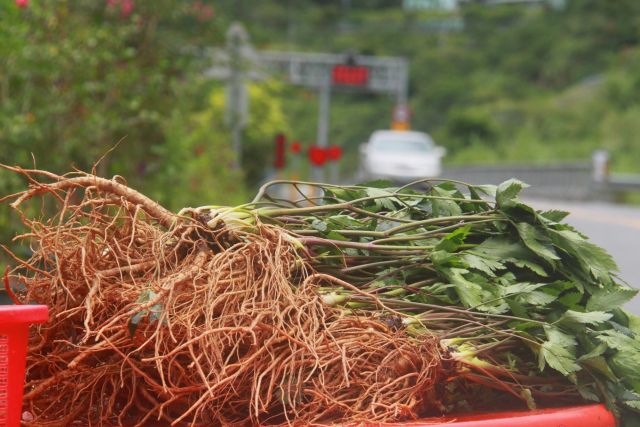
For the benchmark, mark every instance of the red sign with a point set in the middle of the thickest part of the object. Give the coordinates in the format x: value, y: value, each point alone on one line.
x: 351, y: 75
x: 334, y: 152
x: 317, y: 155
x: 280, y: 154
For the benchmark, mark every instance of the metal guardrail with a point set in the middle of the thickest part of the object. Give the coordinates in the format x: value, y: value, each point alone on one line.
x: 624, y: 182
x: 569, y: 181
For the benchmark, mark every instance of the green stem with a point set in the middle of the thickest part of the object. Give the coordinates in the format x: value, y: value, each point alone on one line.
x: 433, y: 232
x: 458, y: 219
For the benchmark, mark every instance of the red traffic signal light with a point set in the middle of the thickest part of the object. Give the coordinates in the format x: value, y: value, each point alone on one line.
x: 280, y: 151
x: 317, y: 155
x: 334, y: 152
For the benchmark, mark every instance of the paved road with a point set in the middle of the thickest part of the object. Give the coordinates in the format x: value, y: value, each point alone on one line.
x: 616, y: 228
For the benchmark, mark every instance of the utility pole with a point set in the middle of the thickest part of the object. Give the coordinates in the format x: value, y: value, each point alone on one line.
x: 323, y: 124
x: 236, y: 99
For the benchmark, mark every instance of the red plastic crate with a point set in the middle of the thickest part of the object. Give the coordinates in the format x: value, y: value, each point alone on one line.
x: 14, y: 336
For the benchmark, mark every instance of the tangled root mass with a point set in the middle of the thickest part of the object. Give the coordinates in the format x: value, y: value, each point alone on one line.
x: 155, y: 317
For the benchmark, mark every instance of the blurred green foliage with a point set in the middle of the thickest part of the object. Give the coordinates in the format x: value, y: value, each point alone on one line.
x: 78, y: 78
x: 518, y: 83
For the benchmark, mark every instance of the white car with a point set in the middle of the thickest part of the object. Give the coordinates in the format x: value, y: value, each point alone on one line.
x: 400, y: 156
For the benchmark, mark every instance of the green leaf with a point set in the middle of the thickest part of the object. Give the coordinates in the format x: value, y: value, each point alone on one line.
x: 555, y: 335
x: 522, y: 263
x: 486, y: 265
x: 384, y: 199
x: 554, y: 215
x: 443, y: 207
x: 589, y: 318
x: 604, y: 299
x: 319, y: 225
x: 334, y: 235
x: 378, y: 183
x: 598, y: 350
x: 537, y: 298
x: 591, y: 258
x: 472, y: 294
x: 634, y: 323
x: 507, y: 193
x: 558, y: 357
x: 153, y: 313
x: 570, y: 299
x: 600, y: 364
x: 626, y: 366
x: 635, y: 404
x: 488, y: 189
x: 519, y: 288
x: 620, y: 341
x: 452, y: 241
x: 537, y: 242
x: 501, y: 248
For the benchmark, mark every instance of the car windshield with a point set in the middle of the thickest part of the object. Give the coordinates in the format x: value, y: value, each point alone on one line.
x: 404, y: 146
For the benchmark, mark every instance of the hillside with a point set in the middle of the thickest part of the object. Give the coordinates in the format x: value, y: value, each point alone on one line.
x: 512, y: 82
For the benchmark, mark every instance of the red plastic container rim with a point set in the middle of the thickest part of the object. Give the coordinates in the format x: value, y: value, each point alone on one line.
x: 15, y: 314
x: 573, y: 416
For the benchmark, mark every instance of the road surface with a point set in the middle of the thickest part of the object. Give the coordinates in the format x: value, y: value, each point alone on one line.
x: 613, y: 227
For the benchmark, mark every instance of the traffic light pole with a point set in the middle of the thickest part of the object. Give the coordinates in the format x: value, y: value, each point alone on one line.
x: 323, y: 126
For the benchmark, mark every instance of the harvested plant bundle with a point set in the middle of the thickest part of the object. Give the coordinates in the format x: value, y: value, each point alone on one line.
x: 155, y: 317
x: 368, y: 302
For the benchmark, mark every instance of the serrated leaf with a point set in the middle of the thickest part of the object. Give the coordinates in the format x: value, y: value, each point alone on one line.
x: 588, y: 318
x: 486, y: 265
x: 570, y: 299
x: 634, y: 323
x: 519, y: 288
x: 471, y: 294
x: 619, y: 341
x: 599, y: 364
x: 558, y: 357
x: 597, y: 350
x: 587, y: 393
x: 626, y: 365
x: 501, y: 248
x: 383, y: 199
x: 604, y: 299
x: 556, y: 336
x: 452, y: 241
x: 537, y: 242
x: 319, y: 225
x: 532, y: 266
x: 507, y: 193
x: 443, y: 207
x: 591, y: 257
x: 554, y: 215
x: 635, y: 404
x: 488, y: 189
x: 537, y: 298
